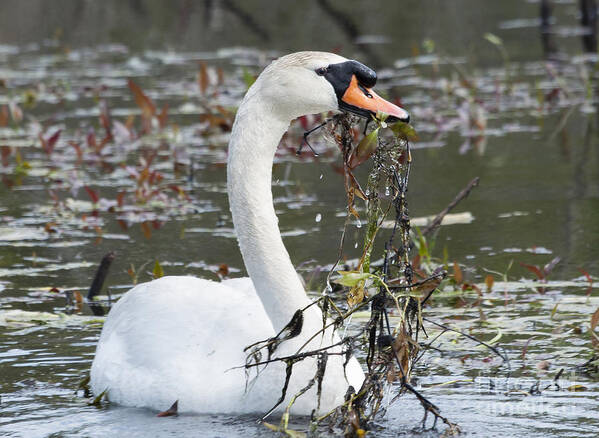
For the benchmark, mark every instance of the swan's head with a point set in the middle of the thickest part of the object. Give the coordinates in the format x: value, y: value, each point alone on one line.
x: 315, y: 82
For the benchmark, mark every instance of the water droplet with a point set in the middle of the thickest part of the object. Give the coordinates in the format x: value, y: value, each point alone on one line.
x: 318, y: 217
x: 356, y: 245
x: 358, y: 224
x: 321, y: 176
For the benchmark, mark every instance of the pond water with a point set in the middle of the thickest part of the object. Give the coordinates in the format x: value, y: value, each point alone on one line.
x: 525, y: 123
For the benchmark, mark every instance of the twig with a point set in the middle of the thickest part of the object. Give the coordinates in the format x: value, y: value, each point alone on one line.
x: 439, y: 218
x: 98, y: 282
x: 473, y: 338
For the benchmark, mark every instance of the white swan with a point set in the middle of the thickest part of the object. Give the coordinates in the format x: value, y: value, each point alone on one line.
x: 176, y: 338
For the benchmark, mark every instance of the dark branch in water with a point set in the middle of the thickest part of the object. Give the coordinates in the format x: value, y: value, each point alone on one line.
x: 98, y: 283
x: 473, y: 338
x: 463, y: 194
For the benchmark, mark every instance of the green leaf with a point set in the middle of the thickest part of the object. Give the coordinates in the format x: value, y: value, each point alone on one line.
x: 493, y: 39
x: 157, y: 272
x: 404, y: 130
x: 351, y: 278
x: 248, y: 78
x: 289, y: 432
x: 98, y: 400
x: 381, y: 117
x: 365, y: 148
x: 428, y: 45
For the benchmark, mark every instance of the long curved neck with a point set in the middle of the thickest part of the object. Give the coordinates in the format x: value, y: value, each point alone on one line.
x: 256, y: 134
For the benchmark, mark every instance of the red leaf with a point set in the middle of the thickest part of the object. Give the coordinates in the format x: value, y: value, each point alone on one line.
x: 170, y: 411
x: 594, y: 319
x: 49, y: 143
x: 91, y: 138
x: 119, y: 199
x: 589, y: 279
x: 5, y: 151
x: 203, y: 80
x: 105, y: 117
x: 78, y: 150
x: 163, y: 116
x: 143, y: 102
x: 587, y: 275
x: 457, y: 273
x: 92, y: 194
x: 221, y: 76
x: 53, y: 139
x: 4, y: 116
x: 145, y: 227
x: 535, y: 270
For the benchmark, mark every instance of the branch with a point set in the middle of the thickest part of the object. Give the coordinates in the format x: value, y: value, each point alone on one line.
x: 463, y: 194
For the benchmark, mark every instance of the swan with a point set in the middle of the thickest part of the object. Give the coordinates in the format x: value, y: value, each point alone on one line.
x: 179, y: 337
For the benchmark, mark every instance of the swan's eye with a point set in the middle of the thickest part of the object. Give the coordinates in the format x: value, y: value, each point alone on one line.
x: 321, y: 71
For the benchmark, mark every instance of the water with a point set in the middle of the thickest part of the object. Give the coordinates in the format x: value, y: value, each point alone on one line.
x: 537, y: 199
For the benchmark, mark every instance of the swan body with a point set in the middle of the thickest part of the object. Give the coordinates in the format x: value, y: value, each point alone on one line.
x: 183, y: 338
x: 184, y: 344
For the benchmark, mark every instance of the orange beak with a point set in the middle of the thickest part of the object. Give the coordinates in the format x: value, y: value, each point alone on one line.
x: 365, y: 102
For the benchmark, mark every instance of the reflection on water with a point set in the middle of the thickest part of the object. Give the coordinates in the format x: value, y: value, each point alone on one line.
x: 530, y: 135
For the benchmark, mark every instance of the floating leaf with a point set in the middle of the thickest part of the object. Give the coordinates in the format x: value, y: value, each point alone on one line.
x: 289, y: 432
x: 543, y: 365
x: 365, y: 149
x: 576, y: 388
x: 496, y: 338
x: 157, y: 272
x: 493, y: 39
